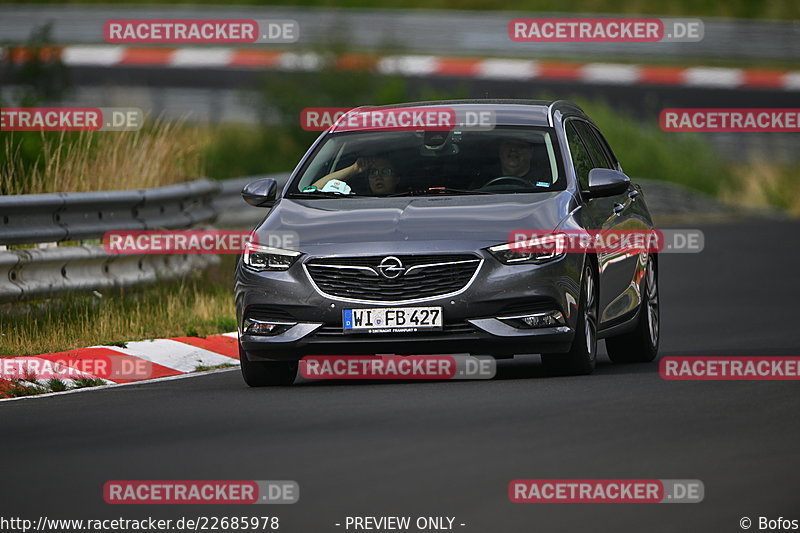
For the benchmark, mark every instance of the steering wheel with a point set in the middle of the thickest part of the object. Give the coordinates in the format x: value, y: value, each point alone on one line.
x: 524, y: 182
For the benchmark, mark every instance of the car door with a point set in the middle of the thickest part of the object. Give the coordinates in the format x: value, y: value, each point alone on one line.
x: 617, y: 269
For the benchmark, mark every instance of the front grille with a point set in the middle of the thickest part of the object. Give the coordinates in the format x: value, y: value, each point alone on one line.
x: 358, y: 277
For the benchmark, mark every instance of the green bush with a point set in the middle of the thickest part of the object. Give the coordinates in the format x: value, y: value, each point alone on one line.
x: 647, y: 152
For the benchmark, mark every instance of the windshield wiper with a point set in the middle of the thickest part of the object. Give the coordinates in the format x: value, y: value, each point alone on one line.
x: 322, y: 194
x: 440, y: 190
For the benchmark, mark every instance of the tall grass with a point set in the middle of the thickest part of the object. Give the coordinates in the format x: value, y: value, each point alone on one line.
x: 761, y: 183
x: 162, y: 153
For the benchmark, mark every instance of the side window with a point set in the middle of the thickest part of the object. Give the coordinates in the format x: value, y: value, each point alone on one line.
x: 606, y: 148
x: 599, y: 155
x: 580, y: 157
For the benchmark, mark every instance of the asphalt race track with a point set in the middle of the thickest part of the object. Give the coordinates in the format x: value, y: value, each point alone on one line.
x: 451, y: 448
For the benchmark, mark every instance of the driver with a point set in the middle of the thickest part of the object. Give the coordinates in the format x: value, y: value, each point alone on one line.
x: 515, y: 157
x: 516, y: 165
x: 380, y: 173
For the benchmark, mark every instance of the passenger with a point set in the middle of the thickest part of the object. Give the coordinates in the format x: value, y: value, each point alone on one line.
x: 380, y: 173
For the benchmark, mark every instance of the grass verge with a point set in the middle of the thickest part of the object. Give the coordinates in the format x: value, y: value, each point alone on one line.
x: 197, y: 306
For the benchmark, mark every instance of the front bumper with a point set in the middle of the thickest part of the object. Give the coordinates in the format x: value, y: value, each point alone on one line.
x: 470, y: 316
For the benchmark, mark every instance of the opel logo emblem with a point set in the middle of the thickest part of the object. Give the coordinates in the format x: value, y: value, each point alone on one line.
x: 391, y: 267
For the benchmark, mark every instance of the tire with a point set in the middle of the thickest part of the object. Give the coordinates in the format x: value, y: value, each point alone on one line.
x: 582, y: 356
x: 267, y: 373
x: 641, y: 344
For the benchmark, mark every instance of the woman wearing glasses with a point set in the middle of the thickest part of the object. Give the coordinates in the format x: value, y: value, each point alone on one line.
x: 379, y: 171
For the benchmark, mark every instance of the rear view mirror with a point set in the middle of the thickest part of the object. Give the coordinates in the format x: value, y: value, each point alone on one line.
x: 606, y: 182
x: 261, y: 193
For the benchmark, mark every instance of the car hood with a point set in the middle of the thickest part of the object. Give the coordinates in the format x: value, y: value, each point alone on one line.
x: 484, y: 219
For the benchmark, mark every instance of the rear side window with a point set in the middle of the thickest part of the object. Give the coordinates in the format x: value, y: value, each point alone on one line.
x: 580, y: 156
x: 606, y: 147
x: 596, y: 149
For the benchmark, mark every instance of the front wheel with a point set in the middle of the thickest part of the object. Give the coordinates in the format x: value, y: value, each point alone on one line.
x: 582, y: 356
x: 641, y: 344
x: 267, y: 373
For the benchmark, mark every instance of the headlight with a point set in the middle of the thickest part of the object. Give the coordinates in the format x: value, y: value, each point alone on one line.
x: 535, y: 250
x: 262, y: 258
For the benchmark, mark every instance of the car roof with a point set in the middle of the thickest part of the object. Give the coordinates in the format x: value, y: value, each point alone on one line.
x: 507, y: 112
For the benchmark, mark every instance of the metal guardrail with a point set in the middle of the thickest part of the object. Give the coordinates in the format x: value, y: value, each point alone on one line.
x: 426, y: 31
x: 57, y: 217
x: 48, y: 219
x: 32, y: 273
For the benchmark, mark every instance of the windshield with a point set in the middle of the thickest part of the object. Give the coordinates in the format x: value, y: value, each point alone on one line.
x: 400, y: 163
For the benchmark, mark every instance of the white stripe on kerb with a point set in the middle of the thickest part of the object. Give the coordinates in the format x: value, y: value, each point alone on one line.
x: 508, y: 69
x: 609, y: 73
x: 173, y: 354
x: 92, y: 55
x: 201, y: 57
x: 713, y: 77
x: 292, y: 61
x: 68, y: 383
x: 411, y: 65
x: 791, y: 80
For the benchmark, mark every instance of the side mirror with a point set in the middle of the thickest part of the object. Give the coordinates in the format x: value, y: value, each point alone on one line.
x: 261, y: 193
x: 606, y: 182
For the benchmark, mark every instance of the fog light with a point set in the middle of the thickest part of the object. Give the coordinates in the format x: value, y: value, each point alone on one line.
x: 265, y: 327
x: 547, y: 319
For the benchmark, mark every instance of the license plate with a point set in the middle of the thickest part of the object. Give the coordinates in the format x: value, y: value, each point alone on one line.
x: 392, y: 319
